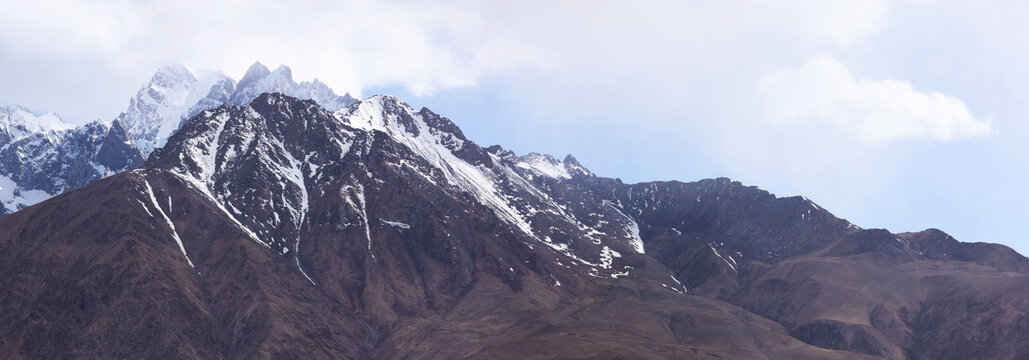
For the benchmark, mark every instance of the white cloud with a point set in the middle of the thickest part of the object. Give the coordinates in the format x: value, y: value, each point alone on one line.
x: 425, y: 46
x: 875, y: 111
x: 844, y: 22
x: 350, y: 45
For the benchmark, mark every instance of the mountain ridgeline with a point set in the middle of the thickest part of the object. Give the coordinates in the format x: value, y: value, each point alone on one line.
x: 281, y: 228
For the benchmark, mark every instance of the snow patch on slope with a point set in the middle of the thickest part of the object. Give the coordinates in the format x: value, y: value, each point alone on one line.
x: 354, y: 196
x: 14, y: 198
x: 732, y: 265
x: 632, y: 228
x: 395, y: 224
x: 175, y: 234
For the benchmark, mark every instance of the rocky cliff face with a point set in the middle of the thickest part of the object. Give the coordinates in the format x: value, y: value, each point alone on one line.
x: 283, y: 229
x: 43, y: 156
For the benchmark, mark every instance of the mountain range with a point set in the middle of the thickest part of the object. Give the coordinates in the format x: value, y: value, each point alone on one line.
x: 41, y: 155
x: 282, y: 227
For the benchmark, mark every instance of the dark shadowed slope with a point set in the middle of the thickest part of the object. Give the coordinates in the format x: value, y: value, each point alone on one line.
x: 830, y: 283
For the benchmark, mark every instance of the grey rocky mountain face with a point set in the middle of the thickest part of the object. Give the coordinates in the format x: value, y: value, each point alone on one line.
x: 41, y: 156
x: 40, y: 162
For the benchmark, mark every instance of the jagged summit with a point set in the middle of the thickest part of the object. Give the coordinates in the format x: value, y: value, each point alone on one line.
x: 390, y: 114
x: 284, y: 72
x: 255, y: 72
x: 258, y: 79
x: 117, y: 152
x: 159, y: 106
x: 545, y: 165
x: 176, y: 92
x: 172, y: 74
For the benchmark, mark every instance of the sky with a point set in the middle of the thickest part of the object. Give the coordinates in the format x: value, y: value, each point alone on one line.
x: 902, y: 115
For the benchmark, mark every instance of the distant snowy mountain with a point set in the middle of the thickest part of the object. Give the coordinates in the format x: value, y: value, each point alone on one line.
x: 258, y: 79
x: 176, y: 93
x: 17, y: 122
x: 159, y: 107
x: 42, y: 156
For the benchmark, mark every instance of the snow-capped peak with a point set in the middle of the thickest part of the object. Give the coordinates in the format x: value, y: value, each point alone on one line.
x: 323, y: 95
x: 254, y: 73
x: 159, y: 107
x: 370, y: 114
x: 171, y: 75
x: 258, y: 80
x: 392, y: 116
x: 18, y: 122
x: 283, y: 72
x: 544, y: 165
